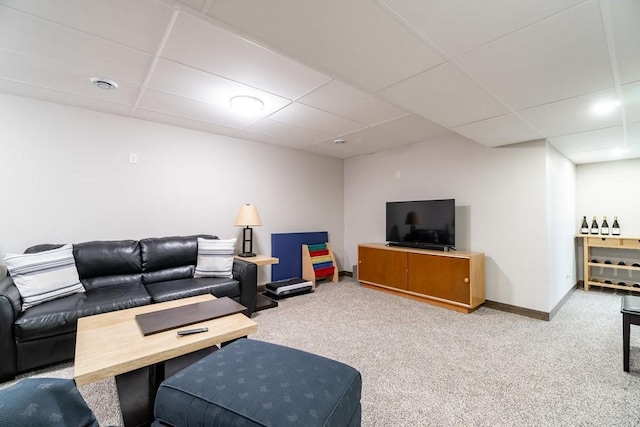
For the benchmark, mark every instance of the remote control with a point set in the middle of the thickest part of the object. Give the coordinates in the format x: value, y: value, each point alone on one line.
x: 192, y: 331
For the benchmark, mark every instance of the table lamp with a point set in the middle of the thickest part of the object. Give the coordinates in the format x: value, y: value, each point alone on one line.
x: 247, y: 217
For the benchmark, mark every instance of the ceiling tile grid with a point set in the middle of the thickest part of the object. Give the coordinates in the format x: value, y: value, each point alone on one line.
x: 377, y: 73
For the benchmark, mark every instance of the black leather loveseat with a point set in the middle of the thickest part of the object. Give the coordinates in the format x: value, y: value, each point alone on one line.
x: 116, y: 275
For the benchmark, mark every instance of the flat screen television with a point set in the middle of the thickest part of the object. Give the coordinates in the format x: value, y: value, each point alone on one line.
x: 429, y: 224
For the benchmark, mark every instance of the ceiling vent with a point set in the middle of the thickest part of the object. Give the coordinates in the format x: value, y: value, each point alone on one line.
x: 105, y: 84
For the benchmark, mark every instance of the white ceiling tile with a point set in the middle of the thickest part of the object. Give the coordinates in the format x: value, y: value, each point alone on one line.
x: 329, y: 148
x: 163, y: 102
x: 633, y: 134
x: 631, y: 101
x: 355, y: 39
x: 179, y: 79
x: 446, y: 96
x: 313, y: 119
x: 63, y: 98
x: 55, y: 76
x: 496, y: 131
x: 286, y: 132
x: 194, y: 4
x: 139, y: 24
x: 371, y: 139
x: 624, y: 22
x: 258, y: 137
x: 588, y: 141
x: 266, y: 139
x: 217, y: 51
x: 573, y: 115
x: 153, y: 116
x: 338, y: 98
x: 457, y: 26
x: 87, y: 54
x: 603, y: 155
x: 413, y: 128
x: 560, y: 57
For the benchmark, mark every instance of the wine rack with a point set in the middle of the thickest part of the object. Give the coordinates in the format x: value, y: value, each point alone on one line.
x: 604, y: 269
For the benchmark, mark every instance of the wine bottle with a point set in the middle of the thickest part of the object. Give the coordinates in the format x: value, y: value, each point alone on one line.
x: 604, y: 229
x: 594, y: 226
x: 584, y: 228
x: 615, y: 228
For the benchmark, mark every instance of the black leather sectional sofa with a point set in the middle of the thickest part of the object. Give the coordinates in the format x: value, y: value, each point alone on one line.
x: 116, y: 275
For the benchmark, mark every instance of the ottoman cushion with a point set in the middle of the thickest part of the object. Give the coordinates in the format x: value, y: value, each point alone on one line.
x: 44, y: 402
x: 254, y: 383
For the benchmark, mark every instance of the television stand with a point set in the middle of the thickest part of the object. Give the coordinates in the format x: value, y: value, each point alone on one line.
x: 453, y: 280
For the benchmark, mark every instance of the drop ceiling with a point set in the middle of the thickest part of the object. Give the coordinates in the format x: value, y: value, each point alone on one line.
x: 377, y: 74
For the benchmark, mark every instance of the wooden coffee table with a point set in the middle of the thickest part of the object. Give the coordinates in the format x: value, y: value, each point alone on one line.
x: 111, y: 344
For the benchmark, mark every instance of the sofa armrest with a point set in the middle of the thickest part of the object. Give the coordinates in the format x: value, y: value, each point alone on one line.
x: 247, y: 274
x: 10, y: 308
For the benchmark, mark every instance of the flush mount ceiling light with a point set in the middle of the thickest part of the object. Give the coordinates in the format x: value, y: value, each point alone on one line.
x: 246, y: 104
x: 603, y: 108
x: 103, y: 83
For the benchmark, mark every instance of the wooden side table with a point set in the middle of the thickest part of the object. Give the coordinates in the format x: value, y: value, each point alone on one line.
x: 260, y: 259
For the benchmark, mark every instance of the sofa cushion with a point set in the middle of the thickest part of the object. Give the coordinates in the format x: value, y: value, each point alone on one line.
x: 60, y: 316
x: 169, y: 258
x: 44, y: 276
x: 108, y: 258
x: 215, y: 257
x: 182, y: 288
x: 115, y: 280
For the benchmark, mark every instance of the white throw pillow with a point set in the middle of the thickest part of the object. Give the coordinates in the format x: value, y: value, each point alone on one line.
x: 215, y: 258
x: 44, y: 276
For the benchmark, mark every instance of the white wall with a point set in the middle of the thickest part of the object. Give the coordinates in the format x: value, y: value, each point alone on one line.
x: 501, y: 206
x: 561, y: 225
x: 66, y: 177
x: 610, y: 188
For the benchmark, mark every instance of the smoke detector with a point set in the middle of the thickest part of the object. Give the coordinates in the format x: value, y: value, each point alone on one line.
x: 103, y: 83
x: 339, y: 141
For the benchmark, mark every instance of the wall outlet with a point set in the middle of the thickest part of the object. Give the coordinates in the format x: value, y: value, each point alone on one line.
x: 133, y: 158
x: 398, y: 175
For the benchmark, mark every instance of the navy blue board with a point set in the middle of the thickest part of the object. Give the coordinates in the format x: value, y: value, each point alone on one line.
x: 287, y: 247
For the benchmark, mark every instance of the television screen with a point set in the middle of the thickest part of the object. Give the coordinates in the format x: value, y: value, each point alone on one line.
x: 423, y: 223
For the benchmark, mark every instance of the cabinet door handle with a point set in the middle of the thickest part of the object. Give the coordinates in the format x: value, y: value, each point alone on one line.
x: 359, y: 262
x: 466, y: 280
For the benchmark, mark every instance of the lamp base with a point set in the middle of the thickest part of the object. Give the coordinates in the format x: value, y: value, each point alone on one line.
x: 246, y: 254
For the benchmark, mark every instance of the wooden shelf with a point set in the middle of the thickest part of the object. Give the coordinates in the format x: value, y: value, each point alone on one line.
x: 629, y: 245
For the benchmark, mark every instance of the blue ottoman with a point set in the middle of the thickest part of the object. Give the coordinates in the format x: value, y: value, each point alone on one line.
x: 254, y: 383
x: 44, y: 402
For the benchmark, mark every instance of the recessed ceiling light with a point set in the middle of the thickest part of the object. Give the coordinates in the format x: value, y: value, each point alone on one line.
x: 105, y: 84
x: 604, y: 107
x: 246, y: 104
x: 339, y: 141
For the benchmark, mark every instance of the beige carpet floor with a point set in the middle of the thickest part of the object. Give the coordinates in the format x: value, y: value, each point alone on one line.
x: 427, y: 366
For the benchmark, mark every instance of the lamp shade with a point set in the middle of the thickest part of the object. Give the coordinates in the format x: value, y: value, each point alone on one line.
x: 248, y: 216
x: 413, y: 218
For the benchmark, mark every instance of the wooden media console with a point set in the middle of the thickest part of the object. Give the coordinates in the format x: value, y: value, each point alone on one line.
x: 453, y: 280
